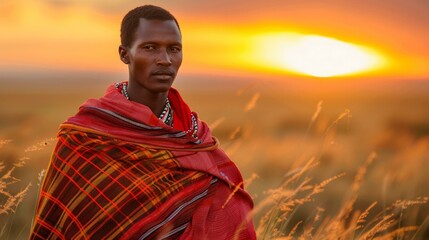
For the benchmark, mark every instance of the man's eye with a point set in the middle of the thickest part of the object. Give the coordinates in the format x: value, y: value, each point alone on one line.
x: 175, y: 49
x: 149, y: 47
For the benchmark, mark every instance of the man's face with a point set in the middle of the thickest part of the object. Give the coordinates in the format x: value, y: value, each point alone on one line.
x: 155, y: 55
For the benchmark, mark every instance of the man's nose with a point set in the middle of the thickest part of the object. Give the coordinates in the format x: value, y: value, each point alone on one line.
x: 164, y: 58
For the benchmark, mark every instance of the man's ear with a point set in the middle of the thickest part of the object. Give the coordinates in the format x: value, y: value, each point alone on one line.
x: 123, y: 54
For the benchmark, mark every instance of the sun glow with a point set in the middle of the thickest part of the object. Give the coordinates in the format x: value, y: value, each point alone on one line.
x: 64, y: 38
x: 315, y: 55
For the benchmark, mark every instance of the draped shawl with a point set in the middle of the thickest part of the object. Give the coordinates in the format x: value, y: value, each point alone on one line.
x: 118, y: 172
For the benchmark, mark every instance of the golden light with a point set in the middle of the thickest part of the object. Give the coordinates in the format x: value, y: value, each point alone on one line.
x: 315, y: 55
x: 40, y: 36
x: 66, y: 39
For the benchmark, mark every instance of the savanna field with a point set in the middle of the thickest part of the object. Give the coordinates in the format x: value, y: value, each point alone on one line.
x: 322, y: 160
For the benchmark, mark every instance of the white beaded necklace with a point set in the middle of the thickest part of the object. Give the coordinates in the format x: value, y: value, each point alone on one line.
x: 166, y: 114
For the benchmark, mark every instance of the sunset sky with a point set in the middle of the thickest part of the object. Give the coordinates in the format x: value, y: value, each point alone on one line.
x: 372, y: 38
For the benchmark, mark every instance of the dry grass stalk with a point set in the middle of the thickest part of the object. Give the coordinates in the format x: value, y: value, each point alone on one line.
x: 233, y: 147
x: 236, y: 188
x: 344, y: 114
x: 286, y: 200
x: 387, y: 219
x: 40, y: 177
x: 404, y: 204
x: 6, y: 180
x: 266, y: 222
x: 216, y: 123
x: 317, y: 112
x: 339, y: 223
x: 244, y: 89
x: 382, y: 225
x: 233, y: 135
x: 21, y: 162
x: 250, y: 180
x: 359, y: 177
x: 362, y: 172
x: 2, y: 166
x: 321, y: 186
x: 314, y: 117
x: 347, y: 224
x: 308, y: 230
x: 330, y: 131
x: 397, y: 232
x: 292, y: 232
x: 252, y: 103
x: 41, y: 145
x: 364, y: 215
x: 13, y: 201
x: 4, y: 142
x: 335, y: 123
x: 298, y: 172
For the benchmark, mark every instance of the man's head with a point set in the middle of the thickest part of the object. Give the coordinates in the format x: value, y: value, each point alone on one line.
x: 131, y: 21
x: 152, y: 48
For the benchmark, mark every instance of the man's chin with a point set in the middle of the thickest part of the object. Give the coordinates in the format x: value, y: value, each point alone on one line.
x: 160, y: 88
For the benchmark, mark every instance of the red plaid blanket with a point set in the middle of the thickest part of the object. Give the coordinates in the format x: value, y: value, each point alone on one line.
x: 117, y: 172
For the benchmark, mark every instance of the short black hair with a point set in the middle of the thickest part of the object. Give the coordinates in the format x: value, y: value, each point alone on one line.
x: 131, y: 20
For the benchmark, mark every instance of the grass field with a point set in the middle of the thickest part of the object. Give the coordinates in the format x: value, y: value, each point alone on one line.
x: 271, y: 130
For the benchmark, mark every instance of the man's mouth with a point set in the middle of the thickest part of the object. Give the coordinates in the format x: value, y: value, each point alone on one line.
x: 163, y: 73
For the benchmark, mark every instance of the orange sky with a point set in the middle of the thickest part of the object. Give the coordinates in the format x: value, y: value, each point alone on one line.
x: 84, y: 35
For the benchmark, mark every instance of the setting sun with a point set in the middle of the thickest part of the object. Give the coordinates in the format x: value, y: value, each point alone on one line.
x: 315, y: 55
x: 84, y: 36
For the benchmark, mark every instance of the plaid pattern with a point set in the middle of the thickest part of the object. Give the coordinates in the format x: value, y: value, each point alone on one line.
x: 118, y: 172
x: 98, y: 187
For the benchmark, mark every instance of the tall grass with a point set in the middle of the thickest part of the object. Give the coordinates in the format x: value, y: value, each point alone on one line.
x: 279, y: 206
x: 298, y: 190
x: 297, y: 207
x: 12, y: 194
x: 9, y: 201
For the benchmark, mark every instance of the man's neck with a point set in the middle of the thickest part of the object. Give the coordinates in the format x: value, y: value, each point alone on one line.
x: 155, y: 101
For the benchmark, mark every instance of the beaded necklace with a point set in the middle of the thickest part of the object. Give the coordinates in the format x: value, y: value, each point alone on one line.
x: 166, y: 114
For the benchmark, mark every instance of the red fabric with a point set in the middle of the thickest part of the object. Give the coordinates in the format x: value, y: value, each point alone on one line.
x: 99, y: 187
x: 180, y: 108
x: 181, y: 111
x: 115, y: 102
x: 116, y: 117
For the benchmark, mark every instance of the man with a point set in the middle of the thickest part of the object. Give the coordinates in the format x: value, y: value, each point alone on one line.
x: 137, y: 163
